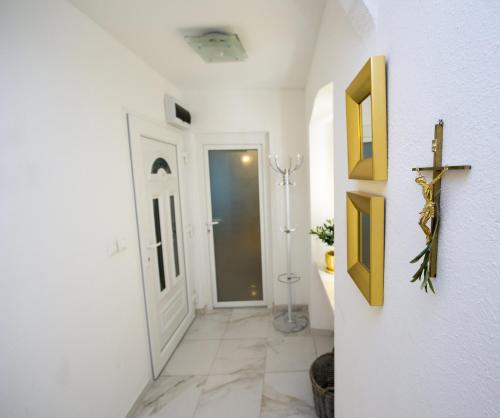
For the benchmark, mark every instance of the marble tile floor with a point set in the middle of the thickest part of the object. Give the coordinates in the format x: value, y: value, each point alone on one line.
x: 232, y: 363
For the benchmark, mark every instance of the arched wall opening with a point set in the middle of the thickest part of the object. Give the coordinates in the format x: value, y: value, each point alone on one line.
x: 321, y: 165
x: 322, y: 204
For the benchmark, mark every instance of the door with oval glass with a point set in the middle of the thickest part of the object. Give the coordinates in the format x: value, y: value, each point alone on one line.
x: 235, y: 224
x: 157, y: 192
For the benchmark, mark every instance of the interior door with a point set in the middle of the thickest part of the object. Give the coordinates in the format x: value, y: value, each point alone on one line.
x: 235, y: 225
x: 157, y: 190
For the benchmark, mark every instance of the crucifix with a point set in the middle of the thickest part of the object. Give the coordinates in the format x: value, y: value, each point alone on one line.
x: 431, y: 191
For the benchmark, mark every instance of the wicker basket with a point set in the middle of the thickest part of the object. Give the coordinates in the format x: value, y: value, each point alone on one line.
x: 323, y: 385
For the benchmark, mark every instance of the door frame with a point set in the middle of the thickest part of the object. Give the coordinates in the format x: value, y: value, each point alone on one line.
x: 139, y: 128
x: 237, y: 141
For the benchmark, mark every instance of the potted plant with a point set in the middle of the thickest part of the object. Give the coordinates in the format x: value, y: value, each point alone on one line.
x: 326, y: 233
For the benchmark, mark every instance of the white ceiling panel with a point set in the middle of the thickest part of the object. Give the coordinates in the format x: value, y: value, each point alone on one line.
x: 278, y: 35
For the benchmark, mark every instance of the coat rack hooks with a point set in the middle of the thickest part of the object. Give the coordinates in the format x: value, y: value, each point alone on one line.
x: 275, y: 165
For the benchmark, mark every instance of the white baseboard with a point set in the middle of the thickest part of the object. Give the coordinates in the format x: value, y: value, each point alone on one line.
x: 136, y: 403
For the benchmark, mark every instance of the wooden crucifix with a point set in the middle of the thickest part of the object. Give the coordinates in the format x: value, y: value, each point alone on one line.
x: 431, y: 211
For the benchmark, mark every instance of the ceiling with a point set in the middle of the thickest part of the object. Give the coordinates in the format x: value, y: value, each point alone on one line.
x: 278, y: 35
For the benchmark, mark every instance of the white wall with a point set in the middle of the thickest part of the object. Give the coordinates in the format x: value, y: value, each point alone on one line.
x: 321, y: 158
x: 281, y: 115
x: 420, y: 355
x: 73, y: 331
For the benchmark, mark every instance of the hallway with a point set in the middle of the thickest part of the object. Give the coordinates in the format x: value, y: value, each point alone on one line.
x: 232, y: 362
x: 172, y: 172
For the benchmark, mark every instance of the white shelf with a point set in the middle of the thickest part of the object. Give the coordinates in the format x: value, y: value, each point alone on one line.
x: 327, y: 280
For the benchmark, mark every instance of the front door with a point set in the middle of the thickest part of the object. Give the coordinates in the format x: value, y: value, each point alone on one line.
x: 156, y: 178
x: 235, y: 224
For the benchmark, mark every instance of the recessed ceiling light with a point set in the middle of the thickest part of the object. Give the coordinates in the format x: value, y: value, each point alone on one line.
x: 218, y: 47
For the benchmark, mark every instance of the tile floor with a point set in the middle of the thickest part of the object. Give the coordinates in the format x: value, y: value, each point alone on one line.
x: 233, y: 363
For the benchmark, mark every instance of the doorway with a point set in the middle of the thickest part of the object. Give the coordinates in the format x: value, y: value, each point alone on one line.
x: 157, y: 187
x: 236, y: 224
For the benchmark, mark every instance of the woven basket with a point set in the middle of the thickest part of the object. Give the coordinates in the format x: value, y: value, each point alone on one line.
x: 323, y: 385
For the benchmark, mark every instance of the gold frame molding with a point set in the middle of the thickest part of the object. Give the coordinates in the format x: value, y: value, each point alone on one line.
x: 371, y: 80
x: 370, y: 282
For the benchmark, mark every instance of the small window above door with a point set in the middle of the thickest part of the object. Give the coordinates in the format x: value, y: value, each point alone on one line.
x: 160, y: 164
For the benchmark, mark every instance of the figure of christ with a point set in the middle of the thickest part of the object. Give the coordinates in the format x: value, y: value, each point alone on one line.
x: 429, y: 210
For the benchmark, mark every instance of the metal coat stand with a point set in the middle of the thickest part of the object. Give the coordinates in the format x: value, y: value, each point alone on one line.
x: 290, y: 321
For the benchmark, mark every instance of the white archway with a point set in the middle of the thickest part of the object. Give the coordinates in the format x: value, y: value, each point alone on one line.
x: 321, y: 163
x: 321, y: 198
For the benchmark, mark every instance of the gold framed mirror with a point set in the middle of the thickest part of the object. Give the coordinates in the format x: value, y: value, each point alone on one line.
x: 365, y: 244
x: 366, y: 116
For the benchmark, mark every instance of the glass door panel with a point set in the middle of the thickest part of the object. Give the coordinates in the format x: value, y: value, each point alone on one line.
x: 175, y: 245
x: 234, y: 190
x: 159, y: 244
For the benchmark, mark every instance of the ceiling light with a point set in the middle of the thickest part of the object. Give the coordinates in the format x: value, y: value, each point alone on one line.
x: 218, y: 47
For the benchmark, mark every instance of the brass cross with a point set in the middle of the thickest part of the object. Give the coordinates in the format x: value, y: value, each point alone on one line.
x: 437, y: 171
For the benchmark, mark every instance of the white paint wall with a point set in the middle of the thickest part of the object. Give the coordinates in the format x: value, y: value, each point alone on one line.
x: 281, y: 114
x: 321, y: 158
x: 422, y: 355
x: 73, y: 331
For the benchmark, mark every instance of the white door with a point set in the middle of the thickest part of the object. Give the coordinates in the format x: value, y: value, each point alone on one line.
x: 157, y: 191
x: 236, y: 224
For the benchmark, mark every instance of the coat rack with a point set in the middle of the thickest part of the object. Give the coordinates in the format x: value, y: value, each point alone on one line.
x: 291, y: 322
x: 431, y: 211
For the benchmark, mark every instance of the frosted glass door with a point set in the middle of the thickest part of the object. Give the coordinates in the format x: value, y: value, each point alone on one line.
x: 234, y: 191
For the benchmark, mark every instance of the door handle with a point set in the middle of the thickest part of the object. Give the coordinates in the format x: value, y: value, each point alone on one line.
x: 210, y: 224
x: 155, y: 245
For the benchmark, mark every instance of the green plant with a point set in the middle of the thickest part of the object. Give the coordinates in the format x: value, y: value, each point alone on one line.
x: 325, y: 232
x: 423, y: 272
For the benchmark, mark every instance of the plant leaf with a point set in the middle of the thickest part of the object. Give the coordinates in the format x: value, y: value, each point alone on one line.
x: 428, y: 280
x: 418, y: 274
x: 423, y: 285
x: 419, y: 256
x: 431, y: 286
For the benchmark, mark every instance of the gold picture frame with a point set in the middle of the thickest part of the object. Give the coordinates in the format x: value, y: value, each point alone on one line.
x: 365, y: 244
x: 367, y: 142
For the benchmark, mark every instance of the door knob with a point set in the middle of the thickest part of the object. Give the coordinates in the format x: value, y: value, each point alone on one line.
x: 155, y: 245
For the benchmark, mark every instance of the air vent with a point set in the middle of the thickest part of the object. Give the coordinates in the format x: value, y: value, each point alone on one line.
x: 176, y: 114
x: 218, y: 47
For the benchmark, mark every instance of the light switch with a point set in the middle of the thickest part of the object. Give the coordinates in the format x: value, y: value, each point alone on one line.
x: 121, y: 244
x: 117, y: 245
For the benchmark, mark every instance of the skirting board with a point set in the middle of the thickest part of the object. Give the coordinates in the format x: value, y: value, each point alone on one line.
x: 136, y: 404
